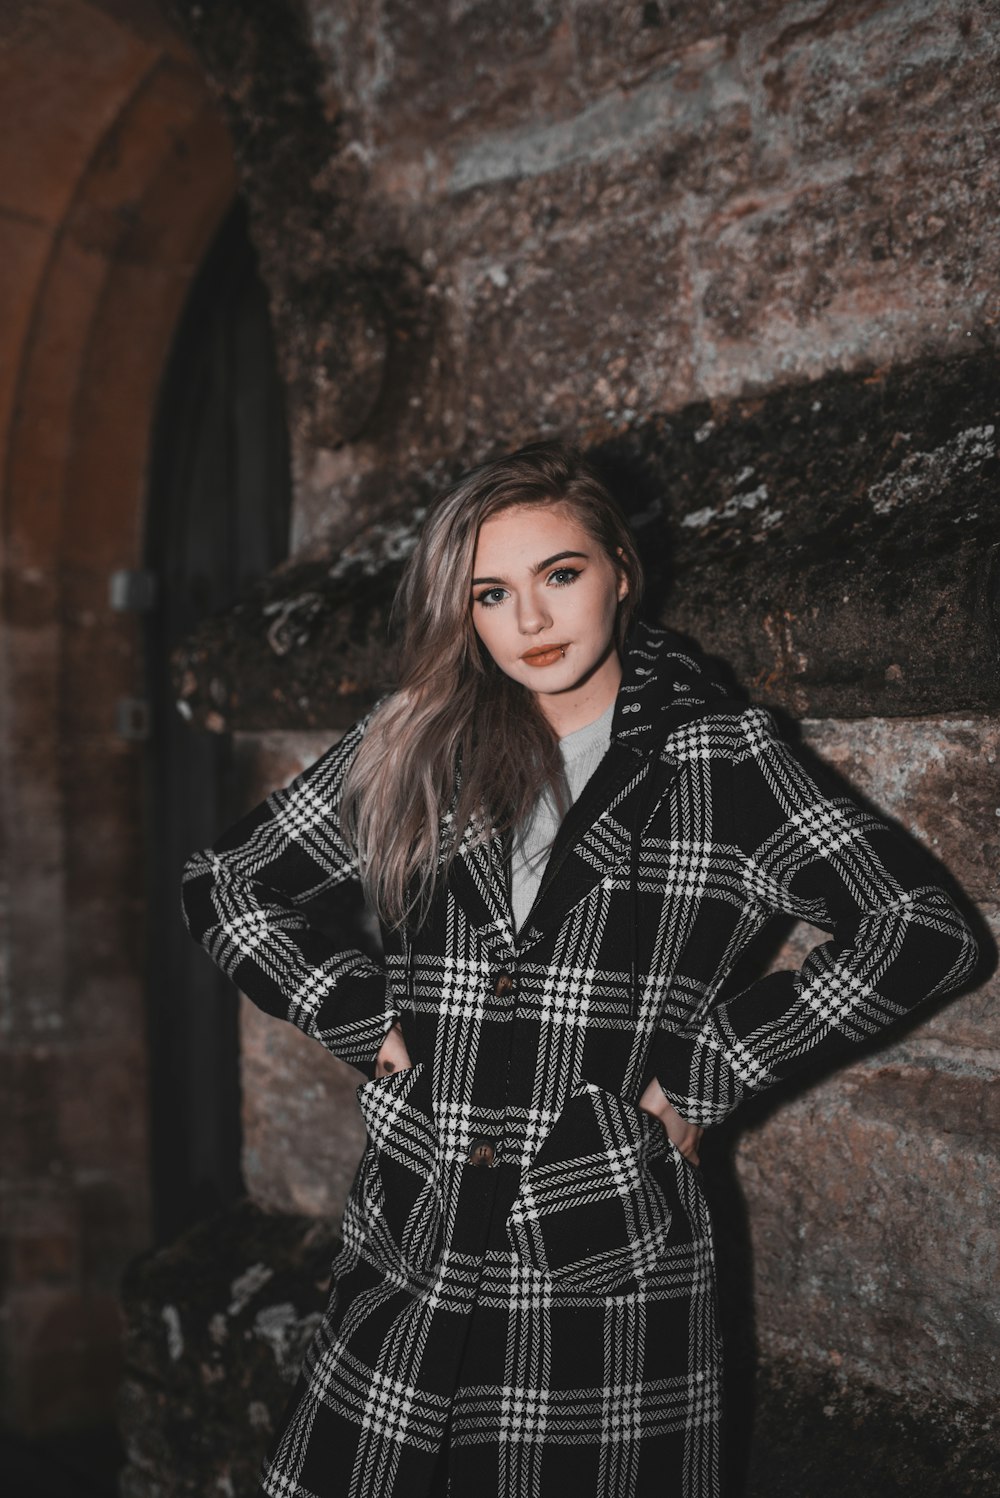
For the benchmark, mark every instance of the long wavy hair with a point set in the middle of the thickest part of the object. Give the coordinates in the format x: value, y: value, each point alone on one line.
x: 460, y: 746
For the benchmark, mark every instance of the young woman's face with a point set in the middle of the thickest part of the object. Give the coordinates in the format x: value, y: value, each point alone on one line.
x: 544, y: 599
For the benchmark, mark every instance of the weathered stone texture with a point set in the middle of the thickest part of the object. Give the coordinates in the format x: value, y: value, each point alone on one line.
x: 302, y: 1130
x: 865, y: 1201
x: 821, y: 1434
x: 938, y: 777
x: 761, y: 193
x: 217, y: 1327
x: 848, y: 526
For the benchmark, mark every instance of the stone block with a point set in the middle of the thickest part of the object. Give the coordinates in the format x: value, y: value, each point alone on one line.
x: 302, y: 1131
x: 846, y: 80
x: 821, y: 1434
x: 856, y: 272
x: 29, y: 1086
x: 872, y: 1241
x: 217, y: 1326
x: 847, y: 523
x: 452, y: 70
x: 627, y: 284
x: 39, y: 1223
x: 938, y: 777
x: 625, y: 42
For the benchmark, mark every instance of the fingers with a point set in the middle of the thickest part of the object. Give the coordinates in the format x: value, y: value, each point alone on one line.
x: 393, y: 1055
x: 691, y: 1146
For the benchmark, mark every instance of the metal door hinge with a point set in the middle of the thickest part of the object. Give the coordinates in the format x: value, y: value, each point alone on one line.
x: 132, y: 718
x: 132, y: 590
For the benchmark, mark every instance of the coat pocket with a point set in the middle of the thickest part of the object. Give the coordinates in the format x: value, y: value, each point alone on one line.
x: 401, y: 1190
x: 591, y: 1213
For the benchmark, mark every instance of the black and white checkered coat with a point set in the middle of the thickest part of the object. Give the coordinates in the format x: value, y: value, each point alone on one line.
x: 555, y: 1309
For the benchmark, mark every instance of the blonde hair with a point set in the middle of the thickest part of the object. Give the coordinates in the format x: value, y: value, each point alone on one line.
x: 460, y: 742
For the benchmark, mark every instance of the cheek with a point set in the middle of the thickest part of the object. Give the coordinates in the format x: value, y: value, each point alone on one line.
x: 486, y: 628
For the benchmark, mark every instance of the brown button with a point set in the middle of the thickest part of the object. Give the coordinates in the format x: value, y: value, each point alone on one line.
x: 481, y: 1152
x: 504, y: 984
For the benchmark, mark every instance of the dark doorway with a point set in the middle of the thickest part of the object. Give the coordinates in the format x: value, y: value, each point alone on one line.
x: 218, y: 517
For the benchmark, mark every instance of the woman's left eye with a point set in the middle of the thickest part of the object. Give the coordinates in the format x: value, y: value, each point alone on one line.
x: 563, y: 575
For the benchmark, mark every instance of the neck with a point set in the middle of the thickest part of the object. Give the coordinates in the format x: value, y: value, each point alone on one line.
x: 573, y: 709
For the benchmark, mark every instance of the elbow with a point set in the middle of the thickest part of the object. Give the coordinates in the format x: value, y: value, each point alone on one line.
x: 973, y: 953
x: 958, y: 950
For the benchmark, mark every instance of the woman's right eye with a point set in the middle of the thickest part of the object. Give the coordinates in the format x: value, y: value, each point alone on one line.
x: 489, y: 599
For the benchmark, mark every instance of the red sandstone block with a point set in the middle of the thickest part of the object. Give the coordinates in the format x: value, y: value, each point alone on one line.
x: 870, y: 1242
x: 445, y: 72
x: 940, y: 778
x: 292, y: 1089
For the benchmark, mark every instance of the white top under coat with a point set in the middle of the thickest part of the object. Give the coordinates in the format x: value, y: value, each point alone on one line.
x: 582, y: 751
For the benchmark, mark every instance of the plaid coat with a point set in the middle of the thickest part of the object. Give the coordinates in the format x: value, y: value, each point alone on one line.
x: 527, y: 1269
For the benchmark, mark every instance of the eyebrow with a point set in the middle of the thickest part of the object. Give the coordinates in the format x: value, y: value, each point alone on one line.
x: 560, y: 556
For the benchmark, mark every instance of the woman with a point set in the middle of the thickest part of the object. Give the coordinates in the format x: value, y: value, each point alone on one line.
x: 570, y: 832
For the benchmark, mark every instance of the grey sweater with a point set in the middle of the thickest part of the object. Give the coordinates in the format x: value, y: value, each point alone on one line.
x: 582, y: 750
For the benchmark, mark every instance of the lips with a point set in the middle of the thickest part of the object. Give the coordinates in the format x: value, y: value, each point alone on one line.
x: 544, y: 655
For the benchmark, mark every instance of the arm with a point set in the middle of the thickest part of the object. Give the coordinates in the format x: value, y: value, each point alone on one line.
x: 897, y: 938
x: 243, y: 899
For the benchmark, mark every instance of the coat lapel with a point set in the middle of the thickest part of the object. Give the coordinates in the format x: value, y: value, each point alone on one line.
x: 479, y: 883
x: 594, y: 837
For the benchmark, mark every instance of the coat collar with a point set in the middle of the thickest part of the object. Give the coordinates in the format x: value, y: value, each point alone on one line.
x: 665, y: 686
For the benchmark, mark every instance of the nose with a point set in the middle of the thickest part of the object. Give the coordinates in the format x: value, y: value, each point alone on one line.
x: 532, y: 615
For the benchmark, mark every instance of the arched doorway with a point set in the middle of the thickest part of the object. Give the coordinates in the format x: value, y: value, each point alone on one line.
x: 115, y: 173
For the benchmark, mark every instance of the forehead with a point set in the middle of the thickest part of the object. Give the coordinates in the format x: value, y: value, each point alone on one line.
x: 531, y: 529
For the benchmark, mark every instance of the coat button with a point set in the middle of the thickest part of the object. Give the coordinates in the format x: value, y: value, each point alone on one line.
x: 504, y: 983
x: 481, y: 1152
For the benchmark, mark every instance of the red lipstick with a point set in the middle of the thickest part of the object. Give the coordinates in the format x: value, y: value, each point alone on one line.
x: 544, y: 655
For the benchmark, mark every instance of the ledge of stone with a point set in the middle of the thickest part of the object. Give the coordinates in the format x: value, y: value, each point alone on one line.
x: 837, y: 543
x: 216, y: 1327
x: 818, y: 1434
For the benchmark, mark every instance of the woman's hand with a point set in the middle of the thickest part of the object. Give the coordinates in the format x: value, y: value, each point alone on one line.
x: 686, y: 1136
x: 393, y: 1055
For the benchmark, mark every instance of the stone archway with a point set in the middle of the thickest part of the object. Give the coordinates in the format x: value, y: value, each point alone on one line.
x: 114, y: 174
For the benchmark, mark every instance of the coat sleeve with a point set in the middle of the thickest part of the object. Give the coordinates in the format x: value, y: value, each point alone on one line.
x: 804, y: 848
x: 245, y: 900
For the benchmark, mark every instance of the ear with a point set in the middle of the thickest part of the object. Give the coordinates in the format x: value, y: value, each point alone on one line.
x: 622, y: 579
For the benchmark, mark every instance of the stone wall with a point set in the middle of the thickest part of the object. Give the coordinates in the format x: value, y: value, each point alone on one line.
x: 484, y: 224
x: 479, y: 224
